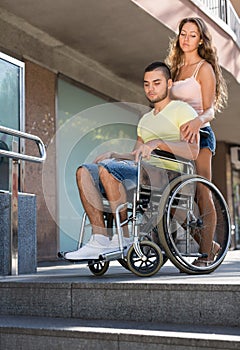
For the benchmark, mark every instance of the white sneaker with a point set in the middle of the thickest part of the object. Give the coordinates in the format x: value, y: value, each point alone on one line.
x: 97, y: 245
x: 114, y: 243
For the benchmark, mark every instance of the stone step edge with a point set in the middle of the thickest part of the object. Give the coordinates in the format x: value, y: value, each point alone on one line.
x: 106, y: 285
x: 202, y: 336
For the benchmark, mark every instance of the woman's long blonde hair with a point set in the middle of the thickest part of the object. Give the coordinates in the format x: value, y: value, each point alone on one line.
x: 207, y: 51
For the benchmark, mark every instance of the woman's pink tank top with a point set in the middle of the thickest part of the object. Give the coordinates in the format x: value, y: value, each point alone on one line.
x: 189, y: 90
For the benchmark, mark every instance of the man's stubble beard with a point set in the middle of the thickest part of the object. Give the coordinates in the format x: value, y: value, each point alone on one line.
x: 159, y: 98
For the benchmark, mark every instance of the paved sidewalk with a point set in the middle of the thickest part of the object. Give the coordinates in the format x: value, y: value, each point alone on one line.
x: 227, y: 273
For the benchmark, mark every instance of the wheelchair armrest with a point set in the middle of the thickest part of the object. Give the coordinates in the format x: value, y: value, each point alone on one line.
x: 169, y: 155
x: 165, y: 154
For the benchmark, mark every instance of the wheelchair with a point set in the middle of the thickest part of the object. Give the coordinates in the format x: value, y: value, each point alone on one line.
x: 166, y: 223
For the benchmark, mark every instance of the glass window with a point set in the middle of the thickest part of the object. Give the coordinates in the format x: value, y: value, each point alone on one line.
x: 87, y: 126
x: 11, y: 107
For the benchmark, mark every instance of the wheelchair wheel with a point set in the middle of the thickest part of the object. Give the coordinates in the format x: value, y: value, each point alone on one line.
x: 98, y: 267
x: 148, y: 267
x: 184, y: 224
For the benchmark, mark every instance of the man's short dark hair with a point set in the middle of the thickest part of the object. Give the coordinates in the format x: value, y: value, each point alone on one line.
x: 159, y: 66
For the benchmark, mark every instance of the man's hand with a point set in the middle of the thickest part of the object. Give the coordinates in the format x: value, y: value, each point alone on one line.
x: 103, y: 156
x: 146, y: 149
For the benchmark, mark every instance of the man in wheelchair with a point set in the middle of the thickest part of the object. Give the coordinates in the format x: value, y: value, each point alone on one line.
x: 113, y: 173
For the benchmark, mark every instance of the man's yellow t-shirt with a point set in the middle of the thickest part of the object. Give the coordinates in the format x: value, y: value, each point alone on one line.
x: 165, y: 125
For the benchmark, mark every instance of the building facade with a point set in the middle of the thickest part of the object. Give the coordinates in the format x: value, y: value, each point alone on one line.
x: 71, y: 73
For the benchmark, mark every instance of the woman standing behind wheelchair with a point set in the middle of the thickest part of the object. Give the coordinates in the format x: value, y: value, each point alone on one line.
x: 198, y: 81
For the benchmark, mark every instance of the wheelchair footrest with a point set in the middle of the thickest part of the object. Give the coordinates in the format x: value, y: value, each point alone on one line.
x: 195, y: 255
x: 115, y: 255
x: 61, y: 255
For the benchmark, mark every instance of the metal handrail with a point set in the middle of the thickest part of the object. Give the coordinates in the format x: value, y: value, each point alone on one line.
x: 19, y: 156
x: 15, y: 158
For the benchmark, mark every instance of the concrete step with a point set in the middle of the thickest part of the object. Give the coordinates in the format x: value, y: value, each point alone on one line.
x: 27, y: 333
x: 96, y: 299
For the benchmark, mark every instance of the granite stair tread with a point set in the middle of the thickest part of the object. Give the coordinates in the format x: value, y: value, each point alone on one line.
x: 114, y: 332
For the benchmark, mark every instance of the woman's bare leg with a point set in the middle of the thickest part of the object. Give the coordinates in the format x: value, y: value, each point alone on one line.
x: 205, y: 202
x: 204, y: 163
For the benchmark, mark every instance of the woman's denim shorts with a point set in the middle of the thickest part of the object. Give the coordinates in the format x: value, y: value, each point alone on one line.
x: 209, y: 141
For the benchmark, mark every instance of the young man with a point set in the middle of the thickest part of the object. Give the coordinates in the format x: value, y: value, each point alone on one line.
x: 158, y: 129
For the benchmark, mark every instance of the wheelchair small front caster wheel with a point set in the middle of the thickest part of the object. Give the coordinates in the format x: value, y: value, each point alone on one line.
x: 98, y: 268
x: 149, y: 264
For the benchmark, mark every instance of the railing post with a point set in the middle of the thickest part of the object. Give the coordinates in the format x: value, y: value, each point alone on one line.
x: 14, y: 213
x: 16, y: 157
